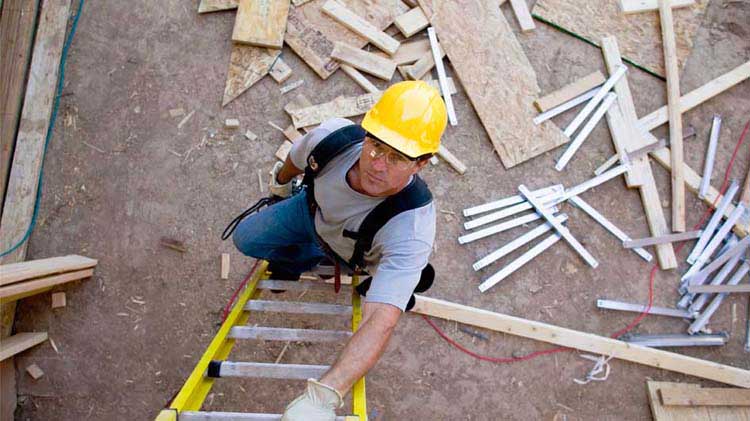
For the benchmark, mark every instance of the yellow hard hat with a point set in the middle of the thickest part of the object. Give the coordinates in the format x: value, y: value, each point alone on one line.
x: 410, y: 117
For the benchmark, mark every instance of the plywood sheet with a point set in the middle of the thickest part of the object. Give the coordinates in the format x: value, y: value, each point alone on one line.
x: 639, y: 35
x: 247, y: 65
x: 496, y: 75
x: 311, y: 34
x: 339, y: 107
x: 261, y: 23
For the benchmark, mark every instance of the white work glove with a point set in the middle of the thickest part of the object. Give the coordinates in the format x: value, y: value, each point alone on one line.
x: 318, y: 403
x: 281, y: 190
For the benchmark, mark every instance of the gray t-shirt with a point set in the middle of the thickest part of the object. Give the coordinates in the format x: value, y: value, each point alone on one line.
x: 400, y: 249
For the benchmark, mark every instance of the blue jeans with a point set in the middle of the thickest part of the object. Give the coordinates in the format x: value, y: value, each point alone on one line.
x: 283, y: 233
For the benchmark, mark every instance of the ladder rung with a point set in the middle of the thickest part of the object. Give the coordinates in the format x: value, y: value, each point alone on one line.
x: 297, y: 307
x: 286, y: 334
x: 234, y: 416
x: 298, y: 285
x: 269, y: 370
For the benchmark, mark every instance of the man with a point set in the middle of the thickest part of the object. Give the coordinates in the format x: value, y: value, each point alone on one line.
x: 365, y: 170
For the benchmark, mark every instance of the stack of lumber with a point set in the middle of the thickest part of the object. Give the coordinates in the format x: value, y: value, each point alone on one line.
x: 23, y: 279
x: 682, y: 401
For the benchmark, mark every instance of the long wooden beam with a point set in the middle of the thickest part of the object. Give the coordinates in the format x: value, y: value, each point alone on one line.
x: 30, y: 269
x: 582, y: 341
x: 20, y: 342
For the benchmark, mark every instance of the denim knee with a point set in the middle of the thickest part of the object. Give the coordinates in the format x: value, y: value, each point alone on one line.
x: 243, y: 237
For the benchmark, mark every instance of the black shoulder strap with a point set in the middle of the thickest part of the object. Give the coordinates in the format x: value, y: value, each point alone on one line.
x: 413, y: 196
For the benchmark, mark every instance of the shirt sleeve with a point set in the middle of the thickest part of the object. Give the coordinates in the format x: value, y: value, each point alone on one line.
x: 398, y: 272
x: 303, y: 147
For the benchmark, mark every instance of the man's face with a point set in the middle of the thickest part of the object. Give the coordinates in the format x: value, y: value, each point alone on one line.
x: 383, y: 170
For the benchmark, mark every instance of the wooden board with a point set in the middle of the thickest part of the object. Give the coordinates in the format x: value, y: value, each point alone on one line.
x: 638, y: 34
x: 339, y: 107
x: 570, y: 91
x: 583, y: 341
x: 409, y: 52
x: 411, y: 22
x: 311, y: 34
x: 247, y: 65
x: 30, y: 269
x: 20, y: 290
x: 521, y: 10
x: 640, y: 6
x: 224, y: 265
x: 261, y: 23
x: 363, y: 60
x: 421, y: 67
x: 496, y: 75
x: 207, y: 6
x: 20, y: 342
x: 280, y: 71
x: 687, y: 413
x: 359, y: 78
x: 704, y: 396
x: 17, y: 23
x: 300, y: 101
x: 283, y: 151
x: 360, y: 26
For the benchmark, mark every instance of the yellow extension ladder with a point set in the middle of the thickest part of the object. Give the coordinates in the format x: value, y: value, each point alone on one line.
x: 214, y: 364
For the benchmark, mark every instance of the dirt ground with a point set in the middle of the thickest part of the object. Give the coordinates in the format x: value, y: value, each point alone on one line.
x: 118, y: 177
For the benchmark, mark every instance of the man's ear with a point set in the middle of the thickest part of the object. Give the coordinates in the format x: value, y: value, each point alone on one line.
x: 421, y: 163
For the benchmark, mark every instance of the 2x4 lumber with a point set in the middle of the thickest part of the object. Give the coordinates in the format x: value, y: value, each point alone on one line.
x: 411, y: 22
x: 675, y: 116
x: 286, y: 334
x: 17, y: 23
x: 22, y: 271
x: 20, y: 290
x: 298, y: 308
x: 568, y: 92
x: 359, y: 78
x: 363, y: 60
x: 669, y: 238
x: 20, y: 342
x: 704, y: 396
x: 261, y: 23
x: 280, y: 71
x: 339, y: 107
x: 718, y: 289
x: 582, y: 341
x: 640, y: 6
x: 272, y: 371
x: 410, y: 52
x: 673, y: 413
x: 234, y: 416
x: 521, y: 10
x: 360, y: 26
x: 452, y: 160
x: 698, y: 96
x: 247, y: 65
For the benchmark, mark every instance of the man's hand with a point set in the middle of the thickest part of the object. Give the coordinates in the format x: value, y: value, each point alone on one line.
x: 278, y: 189
x: 318, y: 403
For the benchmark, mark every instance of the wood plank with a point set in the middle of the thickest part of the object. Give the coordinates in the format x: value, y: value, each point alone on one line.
x: 286, y: 334
x: 675, y: 117
x: 312, y: 34
x: 639, y: 34
x: 504, y: 77
x: 280, y: 71
x: 20, y: 342
x: 8, y: 395
x: 291, y: 133
x: 283, y: 151
x: 422, y: 66
x: 224, y: 265
x: 298, y: 308
x: 640, y: 6
x: 58, y: 300
x: 17, y: 23
x: 364, y: 61
x: 411, y: 22
x: 583, y: 341
x: 207, y: 6
x: 662, y: 413
x: 24, y: 289
x: 570, y: 91
x: 410, y: 52
x: 339, y: 107
x: 360, y: 26
x: 261, y: 23
x: 272, y: 371
x: 521, y: 10
x: 299, y: 101
x: 359, y: 78
x: 30, y: 269
x: 34, y: 371
x: 247, y: 65
x: 662, y: 239
x: 719, y: 289
x: 679, y: 396
x: 698, y: 96
x: 452, y: 160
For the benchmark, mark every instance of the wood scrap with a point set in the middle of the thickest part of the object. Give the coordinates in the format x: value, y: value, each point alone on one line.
x: 261, y: 23
x: 311, y: 34
x: 291, y: 133
x: 173, y: 244
x: 291, y: 86
x: 570, y: 91
x: 34, y: 371
x: 17, y: 23
x: 207, y: 6
x: 452, y: 160
x: 250, y: 135
x: 247, y: 65
x: 20, y: 342
x: 299, y: 101
x: 340, y: 107
x: 280, y: 71
x: 360, y: 26
x: 58, y: 300
x: 224, y: 265
x: 359, y: 78
x: 663, y: 412
x: 364, y: 61
x: 30, y: 269
x: 505, y: 76
x: 698, y: 396
x: 177, y: 112
x: 411, y: 22
x: 422, y: 66
x: 640, y: 6
x: 232, y: 123
x: 20, y: 290
x: 639, y: 34
x: 583, y: 341
x: 409, y: 52
x: 451, y: 85
x: 521, y: 10
x: 283, y: 151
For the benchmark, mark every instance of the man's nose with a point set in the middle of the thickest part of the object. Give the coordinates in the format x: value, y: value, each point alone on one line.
x: 379, y: 163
